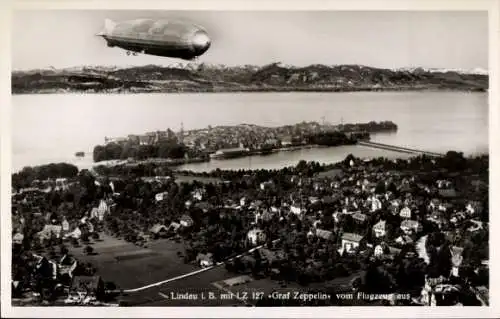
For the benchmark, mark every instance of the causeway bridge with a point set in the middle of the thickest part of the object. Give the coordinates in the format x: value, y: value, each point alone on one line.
x: 400, y: 149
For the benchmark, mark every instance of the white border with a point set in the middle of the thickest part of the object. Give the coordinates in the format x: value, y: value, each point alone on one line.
x: 304, y: 312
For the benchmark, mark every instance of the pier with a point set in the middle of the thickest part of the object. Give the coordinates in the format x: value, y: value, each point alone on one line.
x: 398, y: 149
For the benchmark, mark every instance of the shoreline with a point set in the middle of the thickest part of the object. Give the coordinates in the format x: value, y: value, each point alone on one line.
x: 249, y: 90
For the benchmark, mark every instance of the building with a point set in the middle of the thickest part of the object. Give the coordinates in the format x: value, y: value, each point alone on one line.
x: 324, y: 234
x: 65, y: 226
x: 380, y: 250
x: 410, y: 226
x: 296, y: 210
x: 86, y: 290
x: 256, y: 236
x: 379, y: 229
x: 350, y: 242
x: 50, y: 230
x: 405, y: 212
x: 158, y: 230
x: 205, y: 260
x: 456, y: 260
x: 236, y: 281
x: 186, y: 221
x: 161, y: 196
x: 359, y: 217
x: 102, y: 210
x: 17, y: 239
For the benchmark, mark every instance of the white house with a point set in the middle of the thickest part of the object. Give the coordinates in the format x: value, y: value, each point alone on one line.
x: 65, y: 225
x: 243, y: 202
x: 405, y: 212
x: 76, y: 233
x: 161, y: 196
x: 18, y: 238
x: 198, y: 195
x: 378, y: 251
x: 256, y: 236
x: 186, y: 221
x: 376, y: 204
x: 456, y: 259
x: 350, y: 242
x: 102, y: 210
x: 409, y: 226
x: 295, y: 210
x: 380, y: 229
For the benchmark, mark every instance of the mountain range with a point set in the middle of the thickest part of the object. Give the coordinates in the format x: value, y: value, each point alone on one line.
x: 273, y: 77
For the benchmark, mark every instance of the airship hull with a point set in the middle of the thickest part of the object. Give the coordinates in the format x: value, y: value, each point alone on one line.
x: 164, y: 49
x: 157, y: 37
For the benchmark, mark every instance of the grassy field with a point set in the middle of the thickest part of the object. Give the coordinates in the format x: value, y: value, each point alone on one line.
x: 130, y: 266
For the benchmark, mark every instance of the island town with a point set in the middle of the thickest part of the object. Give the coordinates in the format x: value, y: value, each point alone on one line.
x: 224, y: 142
x: 359, y: 232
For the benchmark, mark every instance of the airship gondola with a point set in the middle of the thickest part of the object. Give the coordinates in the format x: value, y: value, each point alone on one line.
x: 160, y: 37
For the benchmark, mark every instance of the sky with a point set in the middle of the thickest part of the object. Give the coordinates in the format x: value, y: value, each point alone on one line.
x: 388, y: 39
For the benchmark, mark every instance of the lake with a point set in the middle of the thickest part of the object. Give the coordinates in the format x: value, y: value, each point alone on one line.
x: 51, y: 128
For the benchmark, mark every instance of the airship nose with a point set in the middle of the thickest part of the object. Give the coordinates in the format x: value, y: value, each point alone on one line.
x: 200, y: 42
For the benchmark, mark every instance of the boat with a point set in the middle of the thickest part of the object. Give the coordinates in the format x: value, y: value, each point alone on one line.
x: 80, y: 154
x: 230, y: 153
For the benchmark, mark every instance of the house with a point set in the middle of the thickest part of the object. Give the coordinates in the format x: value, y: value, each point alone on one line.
x: 272, y: 256
x: 380, y: 250
x: 76, y: 233
x: 324, y: 234
x: 375, y: 204
x: 161, y: 196
x: 443, y: 184
x: 359, y: 217
x: 50, y: 230
x: 65, y: 226
x: 350, y: 242
x: 205, y: 260
x: 456, y: 259
x: 198, y: 195
x: 102, y: 210
x: 186, y: 221
x: 473, y: 208
x: 18, y: 238
x: 266, y: 185
x: 393, y: 251
x: 379, y: 229
x: 86, y: 290
x: 256, y: 236
x: 295, y: 210
x: 408, y: 226
x: 158, y: 230
x: 405, y: 212
x: 448, y: 193
x: 404, y: 240
x: 243, y: 202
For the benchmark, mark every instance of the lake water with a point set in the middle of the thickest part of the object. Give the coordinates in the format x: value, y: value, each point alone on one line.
x: 51, y: 128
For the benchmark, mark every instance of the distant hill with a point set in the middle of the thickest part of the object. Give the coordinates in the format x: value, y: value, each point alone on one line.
x: 220, y: 78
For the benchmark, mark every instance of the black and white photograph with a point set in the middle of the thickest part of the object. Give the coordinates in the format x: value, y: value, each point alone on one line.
x: 249, y: 158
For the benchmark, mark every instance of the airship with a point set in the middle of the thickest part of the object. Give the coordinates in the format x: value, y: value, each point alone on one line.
x: 160, y: 37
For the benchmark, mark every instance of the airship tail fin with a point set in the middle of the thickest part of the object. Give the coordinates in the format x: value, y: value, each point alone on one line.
x: 109, y: 26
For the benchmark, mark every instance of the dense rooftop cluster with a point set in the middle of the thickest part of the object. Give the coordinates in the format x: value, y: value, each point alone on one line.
x: 417, y: 226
